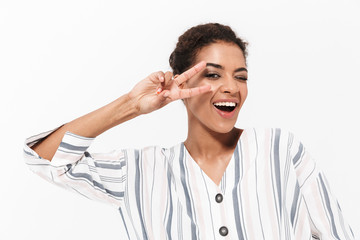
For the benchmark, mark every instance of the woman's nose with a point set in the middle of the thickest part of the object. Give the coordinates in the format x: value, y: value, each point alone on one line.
x: 229, y: 85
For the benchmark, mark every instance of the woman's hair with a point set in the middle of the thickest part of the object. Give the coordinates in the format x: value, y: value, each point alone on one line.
x: 195, y: 38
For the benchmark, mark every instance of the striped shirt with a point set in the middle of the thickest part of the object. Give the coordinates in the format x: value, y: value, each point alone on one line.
x: 271, y: 189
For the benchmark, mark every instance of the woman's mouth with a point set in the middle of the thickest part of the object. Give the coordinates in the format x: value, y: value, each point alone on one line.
x: 225, y: 106
x: 225, y: 109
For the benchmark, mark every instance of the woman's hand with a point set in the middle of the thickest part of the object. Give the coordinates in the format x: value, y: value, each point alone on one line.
x: 159, y: 89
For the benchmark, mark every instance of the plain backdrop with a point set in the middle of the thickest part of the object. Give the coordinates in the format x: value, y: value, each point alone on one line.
x: 62, y: 59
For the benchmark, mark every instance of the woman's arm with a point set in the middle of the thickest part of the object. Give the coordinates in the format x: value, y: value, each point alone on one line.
x: 317, y: 201
x: 90, y: 125
x: 60, y: 156
x: 150, y: 94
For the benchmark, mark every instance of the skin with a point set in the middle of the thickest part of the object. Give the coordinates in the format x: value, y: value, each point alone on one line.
x: 211, y: 138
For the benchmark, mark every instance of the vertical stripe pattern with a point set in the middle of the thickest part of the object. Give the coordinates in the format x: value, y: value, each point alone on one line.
x: 271, y: 189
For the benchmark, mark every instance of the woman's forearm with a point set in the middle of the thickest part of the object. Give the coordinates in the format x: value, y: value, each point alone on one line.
x: 90, y: 125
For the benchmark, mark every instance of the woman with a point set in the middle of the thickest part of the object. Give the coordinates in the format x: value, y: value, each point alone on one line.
x: 221, y: 182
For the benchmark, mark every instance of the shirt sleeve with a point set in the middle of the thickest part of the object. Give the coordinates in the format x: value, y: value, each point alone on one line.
x: 323, y: 209
x: 97, y: 176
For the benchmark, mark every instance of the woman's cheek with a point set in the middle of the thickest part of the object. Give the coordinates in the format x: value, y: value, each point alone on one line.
x: 214, y: 85
x: 243, y: 94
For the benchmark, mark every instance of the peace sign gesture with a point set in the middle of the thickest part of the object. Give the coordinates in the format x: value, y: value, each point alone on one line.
x: 159, y: 89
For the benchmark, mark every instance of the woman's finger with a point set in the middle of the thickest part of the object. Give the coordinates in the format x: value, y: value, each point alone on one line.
x: 165, y: 79
x: 157, y: 77
x: 189, y: 73
x: 166, y: 93
x: 168, y: 76
x: 192, y: 92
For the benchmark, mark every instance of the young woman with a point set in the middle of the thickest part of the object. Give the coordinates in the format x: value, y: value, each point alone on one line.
x: 220, y: 183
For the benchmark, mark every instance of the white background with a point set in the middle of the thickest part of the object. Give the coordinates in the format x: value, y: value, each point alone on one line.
x: 62, y: 59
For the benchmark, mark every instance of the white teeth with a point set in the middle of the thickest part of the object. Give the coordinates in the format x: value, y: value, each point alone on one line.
x: 228, y: 104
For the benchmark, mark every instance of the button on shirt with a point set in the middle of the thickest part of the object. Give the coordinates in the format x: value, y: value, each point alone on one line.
x: 219, y: 198
x: 271, y: 189
x: 223, y: 231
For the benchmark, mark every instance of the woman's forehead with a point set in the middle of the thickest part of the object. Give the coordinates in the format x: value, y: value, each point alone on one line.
x: 223, y: 54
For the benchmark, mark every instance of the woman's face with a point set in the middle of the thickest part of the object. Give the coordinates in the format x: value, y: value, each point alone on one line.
x: 226, y: 73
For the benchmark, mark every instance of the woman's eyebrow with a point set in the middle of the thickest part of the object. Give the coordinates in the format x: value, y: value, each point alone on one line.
x: 221, y: 67
x: 241, y: 69
x: 214, y: 65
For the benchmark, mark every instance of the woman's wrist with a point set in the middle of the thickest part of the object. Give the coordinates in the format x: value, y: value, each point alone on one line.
x: 126, y: 108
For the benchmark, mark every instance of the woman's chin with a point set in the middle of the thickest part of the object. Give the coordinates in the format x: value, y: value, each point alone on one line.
x: 224, y: 128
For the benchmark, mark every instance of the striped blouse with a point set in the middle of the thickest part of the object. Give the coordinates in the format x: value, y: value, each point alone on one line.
x: 271, y: 189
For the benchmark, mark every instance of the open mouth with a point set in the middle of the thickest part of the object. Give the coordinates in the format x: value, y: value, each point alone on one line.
x: 225, y: 106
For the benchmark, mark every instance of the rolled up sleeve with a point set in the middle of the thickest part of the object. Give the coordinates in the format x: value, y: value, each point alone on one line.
x: 97, y: 176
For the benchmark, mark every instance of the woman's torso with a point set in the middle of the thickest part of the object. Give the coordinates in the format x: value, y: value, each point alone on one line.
x: 257, y: 198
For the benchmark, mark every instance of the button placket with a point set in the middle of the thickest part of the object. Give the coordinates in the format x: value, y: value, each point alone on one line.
x: 223, y: 230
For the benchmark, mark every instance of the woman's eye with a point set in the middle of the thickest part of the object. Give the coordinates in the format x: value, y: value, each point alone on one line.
x: 212, y: 75
x: 241, y: 78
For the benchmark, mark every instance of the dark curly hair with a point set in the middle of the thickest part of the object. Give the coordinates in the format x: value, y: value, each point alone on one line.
x: 195, y: 38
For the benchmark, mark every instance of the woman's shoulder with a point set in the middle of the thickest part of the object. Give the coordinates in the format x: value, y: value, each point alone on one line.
x: 273, y: 136
x: 269, y: 132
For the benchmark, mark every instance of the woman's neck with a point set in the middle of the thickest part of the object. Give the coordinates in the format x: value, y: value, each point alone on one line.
x: 203, y: 143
